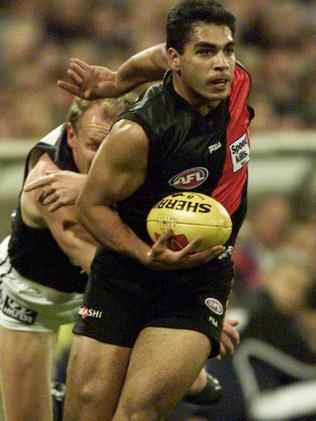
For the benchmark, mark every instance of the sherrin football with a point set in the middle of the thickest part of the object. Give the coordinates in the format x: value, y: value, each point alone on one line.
x: 190, y: 215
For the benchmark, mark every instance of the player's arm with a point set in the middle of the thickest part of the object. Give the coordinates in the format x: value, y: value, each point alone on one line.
x: 57, y: 188
x: 92, y: 82
x: 118, y: 170
x: 71, y: 237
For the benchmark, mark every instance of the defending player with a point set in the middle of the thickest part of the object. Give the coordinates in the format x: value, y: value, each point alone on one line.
x: 43, y: 264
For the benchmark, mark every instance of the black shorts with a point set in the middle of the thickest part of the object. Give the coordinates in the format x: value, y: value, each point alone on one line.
x: 123, y: 297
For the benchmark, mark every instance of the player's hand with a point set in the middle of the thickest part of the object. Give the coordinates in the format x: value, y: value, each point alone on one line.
x: 58, y: 188
x: 229, y: 337
x: 89, y: 82
x: 161, y: 257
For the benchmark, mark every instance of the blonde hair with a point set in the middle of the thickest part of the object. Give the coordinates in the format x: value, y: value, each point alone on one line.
x: 111, y: 107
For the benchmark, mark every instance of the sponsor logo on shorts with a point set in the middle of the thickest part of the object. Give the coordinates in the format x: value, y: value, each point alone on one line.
x: 189, y: 179
x: 15, y: 311
x: 86, y: 312
x: 239, y: 151
x: 227, y: 252
x: 214, y: 305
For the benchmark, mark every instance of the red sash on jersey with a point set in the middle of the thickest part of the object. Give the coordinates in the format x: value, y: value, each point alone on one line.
x: 230, y: 186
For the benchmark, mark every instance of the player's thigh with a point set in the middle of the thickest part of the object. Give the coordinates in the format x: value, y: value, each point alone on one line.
x: 95, y: 371
x: 163, y: 365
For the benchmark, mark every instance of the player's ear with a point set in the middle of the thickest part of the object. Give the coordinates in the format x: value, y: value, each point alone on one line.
x: 71, y: 135
x: 174, y: 60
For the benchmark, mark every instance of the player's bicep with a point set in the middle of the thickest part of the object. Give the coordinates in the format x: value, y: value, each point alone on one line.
x: 119, y: 167
x: 62, y: 224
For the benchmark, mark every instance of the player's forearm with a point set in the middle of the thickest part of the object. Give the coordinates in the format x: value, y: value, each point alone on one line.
x: 83, y: 257
x: 107, y: 228
x: 147, y: 66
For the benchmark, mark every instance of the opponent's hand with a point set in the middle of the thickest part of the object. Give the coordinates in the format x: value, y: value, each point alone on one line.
x: 89, y: 82
x: 59, y: 188
x: 161, y: 257
x: 229, y: 337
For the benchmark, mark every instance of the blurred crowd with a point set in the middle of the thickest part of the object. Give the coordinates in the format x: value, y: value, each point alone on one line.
x: 272, y: 228
x: 276, y: 41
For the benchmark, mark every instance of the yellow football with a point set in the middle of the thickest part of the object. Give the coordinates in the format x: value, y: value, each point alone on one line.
x: 190, y: 215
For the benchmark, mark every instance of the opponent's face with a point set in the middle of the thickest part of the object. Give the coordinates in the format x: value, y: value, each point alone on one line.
x: 92, y: 129
x: 205, y: 69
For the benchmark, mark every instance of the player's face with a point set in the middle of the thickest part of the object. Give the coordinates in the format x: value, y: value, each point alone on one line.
x: 92, y: 129
x: 206, y: 67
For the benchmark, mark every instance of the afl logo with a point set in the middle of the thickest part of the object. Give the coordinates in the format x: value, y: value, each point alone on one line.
x: 214, y: 305
x: 189, y: 179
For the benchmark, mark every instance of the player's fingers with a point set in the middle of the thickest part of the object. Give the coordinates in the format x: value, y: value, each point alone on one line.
x: 68, y: 87
x: 222, y: 352
x: 232, y: 334
x: 88, y: 94
x: 41, y: 182
x: 50, y: 198
x: 228, y: 344
x: 81, y: 63
x: 75, y: 77
x: 161, y: 244
x: 45, y: 194
x: 163, y: 238
x: 54, y: 206
x: 52, y: 171
x: 232, y: 322
x: 210, y: 253
x: 190, y: 248
x: 78, y: 70
x: 217, y: 250
x: 40, y: 197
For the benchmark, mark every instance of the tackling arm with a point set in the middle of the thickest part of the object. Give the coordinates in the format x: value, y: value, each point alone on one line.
x: 71, y: 237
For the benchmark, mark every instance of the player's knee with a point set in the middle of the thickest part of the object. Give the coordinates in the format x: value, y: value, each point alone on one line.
x: 141, y: 414
x: 150, y: 409
x: 24, y: 363
x: 82, y: 393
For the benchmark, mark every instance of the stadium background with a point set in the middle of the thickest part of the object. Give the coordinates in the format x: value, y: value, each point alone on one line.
x: 276, y: 41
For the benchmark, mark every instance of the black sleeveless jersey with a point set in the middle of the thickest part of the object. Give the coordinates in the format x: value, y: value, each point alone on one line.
x: 33, y: 252
x: 191, y: 152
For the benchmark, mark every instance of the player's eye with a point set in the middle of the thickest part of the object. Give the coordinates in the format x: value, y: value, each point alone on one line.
x: 206, y: 52
x: 230, y: 50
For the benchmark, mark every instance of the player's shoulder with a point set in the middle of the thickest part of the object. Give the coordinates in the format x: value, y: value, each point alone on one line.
x: 149, y: 111
x: 48, y: 143
x: 241, y: 74
x: 241, y: 84
x: 52, y: 137
x: 129, y: 138
x: 153, y: 96
x: 44, y: 163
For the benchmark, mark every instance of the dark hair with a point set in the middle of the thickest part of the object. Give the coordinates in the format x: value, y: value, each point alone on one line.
x: 183, y: 15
